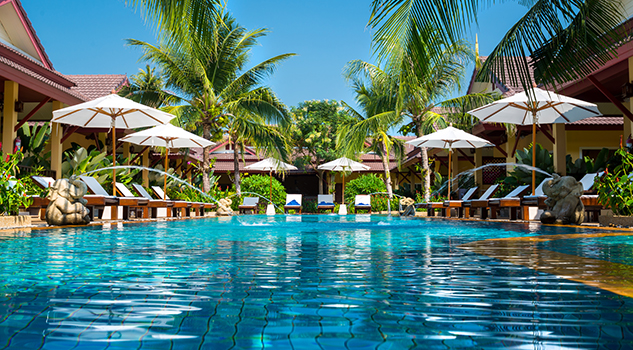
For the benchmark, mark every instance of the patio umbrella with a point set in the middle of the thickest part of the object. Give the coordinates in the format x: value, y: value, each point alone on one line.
x: 450, y: 138
x: 168, y: 136
x: 542, y: 107
x: 112, y: 111
x: 343, y: 164
x: 270, y: 165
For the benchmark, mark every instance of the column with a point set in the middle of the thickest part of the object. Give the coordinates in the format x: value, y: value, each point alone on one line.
x: 560, y: 149
x: 479, y: 178
x: 126, y: 153
x: 512, y: 139
x: 145, y: 163
x: 56, y: 144
x: 628, y: 124
x: 10, y: 115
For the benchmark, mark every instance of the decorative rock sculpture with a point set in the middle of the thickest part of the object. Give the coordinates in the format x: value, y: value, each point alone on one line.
x: 224, y: 207
x: 67, y: 206
x: 563, y: 201
x: 407, y: 203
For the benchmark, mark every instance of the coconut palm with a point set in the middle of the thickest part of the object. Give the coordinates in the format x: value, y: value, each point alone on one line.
x: 220, y: 95
x: 376, y: 94
x: 565, y: 39
x: 148, y: 87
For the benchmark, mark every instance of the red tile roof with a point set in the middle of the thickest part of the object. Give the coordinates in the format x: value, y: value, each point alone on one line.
x: 505, y: 82
x: 602, y: 120
x: 97, y: 85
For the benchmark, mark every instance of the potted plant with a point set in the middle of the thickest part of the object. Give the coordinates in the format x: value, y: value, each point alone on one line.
x: 13, y: 193
x: 615, y: 190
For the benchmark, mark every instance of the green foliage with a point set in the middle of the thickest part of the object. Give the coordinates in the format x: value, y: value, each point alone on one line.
x: 586, y: 165
x: 314, y: 128
x: 260, y: 184
x: 521, y: 176
x: 309, y: 206
x: 34, y: 140
x: 80, y: 161
x: 615, y: 187
x: 364, y: 184
x: 13, y: 191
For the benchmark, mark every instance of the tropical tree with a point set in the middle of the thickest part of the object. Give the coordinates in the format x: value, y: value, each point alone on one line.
x: 148, y: 87
x: 220, y: 95
x: 566, y: 40
x: 376, y: 94
x: 313, y: 133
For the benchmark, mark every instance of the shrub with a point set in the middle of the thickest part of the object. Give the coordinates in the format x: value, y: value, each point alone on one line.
x: 260, y: 184
x: 310, y: 206
x: 364, y: 184
x: 615, y: 188
x: 13, y: 191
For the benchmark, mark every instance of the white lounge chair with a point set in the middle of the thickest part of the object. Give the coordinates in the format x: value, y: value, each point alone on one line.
x: 325, y: 202
x: 362, y: 202
x: 293, y: 202
x: 249, y: 203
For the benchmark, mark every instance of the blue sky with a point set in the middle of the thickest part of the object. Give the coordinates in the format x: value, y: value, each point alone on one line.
x: 88, y: 37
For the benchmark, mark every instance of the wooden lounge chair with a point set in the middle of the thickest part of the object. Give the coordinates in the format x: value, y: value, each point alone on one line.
x: 154, y: 204
x: 293, y: 202
x: 100, y: 199
x: 325, y: 202
x: 180, y: 208
x: 457, y: 204
x: 40, y: 204
x: 469, y: 208
x: 249, y: 203
x: 362, y: 202
x: 94, y: 202
x: 151, y: 209
x: 536, y: 200
x: 590, y: 199
x: 512, y: 201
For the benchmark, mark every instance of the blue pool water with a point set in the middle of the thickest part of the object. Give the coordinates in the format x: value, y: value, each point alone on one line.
x: 298, y: 282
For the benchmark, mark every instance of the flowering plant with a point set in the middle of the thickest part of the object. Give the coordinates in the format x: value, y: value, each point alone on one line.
x: 615, y: 187
x: 13, y: 191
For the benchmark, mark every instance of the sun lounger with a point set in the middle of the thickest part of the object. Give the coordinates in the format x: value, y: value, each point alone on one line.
x: 362, y: 202
x: 100, y: 199
x: 469, y: 206
x: 249, y: 203
x: 590, y: 199
x: 180, y: 208
x: 293, y: 202
x: 512, y: 201
x: 536, y: 200
x: 457, y: 204
x: 154, y: 204
x: 40, y: 204
x: 325, y: 202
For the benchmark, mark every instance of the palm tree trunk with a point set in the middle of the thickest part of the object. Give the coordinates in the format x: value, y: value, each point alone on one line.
x: 236, y: 167
x: 206, y: 159
x: 425, y: 162
x: 320, y: 176
x: 385, y: 164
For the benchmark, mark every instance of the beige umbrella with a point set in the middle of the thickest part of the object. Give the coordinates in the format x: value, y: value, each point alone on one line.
x: 168, y: 136
x: 270, y: 165
x: 343, y: 164
x: 112, y: 111
x: 450, y: 138
x: 542, y: 107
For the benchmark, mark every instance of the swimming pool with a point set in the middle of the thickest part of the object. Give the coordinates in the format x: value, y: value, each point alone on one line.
x: 299, y: 282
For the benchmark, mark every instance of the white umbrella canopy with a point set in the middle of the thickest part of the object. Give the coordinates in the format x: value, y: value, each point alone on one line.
x: 168, y: 136
x: 270, y: 165
x: 112, y: 111
x: 343, y: 164
x: 541, y: 107
x: 450, y: 138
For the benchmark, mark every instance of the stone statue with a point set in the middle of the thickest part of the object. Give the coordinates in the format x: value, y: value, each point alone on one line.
x: 409, y: 209
x: 563, y: 201
x: 67, y: 206
x: 224, y: 207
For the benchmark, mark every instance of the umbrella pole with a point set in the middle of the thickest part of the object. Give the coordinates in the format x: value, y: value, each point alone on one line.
x: 343, y: 198
x: 450, y: 152
x: 166, y: 165
x: 533, y: 152
x: 113, y: 158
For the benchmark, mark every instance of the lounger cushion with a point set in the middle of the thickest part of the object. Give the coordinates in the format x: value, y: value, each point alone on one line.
x: 293, y: 203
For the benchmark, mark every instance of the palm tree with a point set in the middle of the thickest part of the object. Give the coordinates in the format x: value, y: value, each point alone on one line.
x: 565, y: 39
x: 376, y: 94
x: 148, y: 87
x: 220, y: 95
